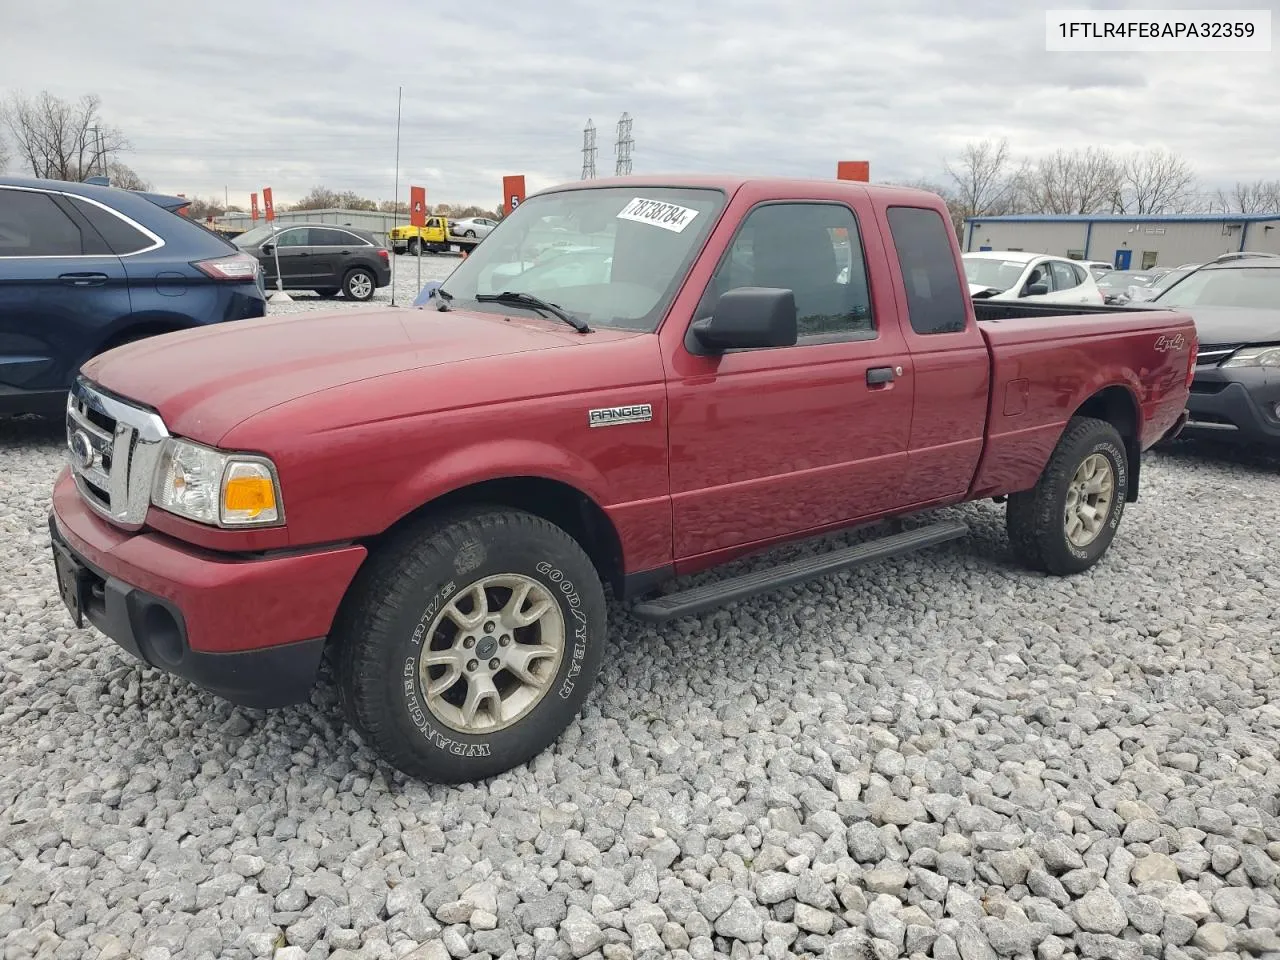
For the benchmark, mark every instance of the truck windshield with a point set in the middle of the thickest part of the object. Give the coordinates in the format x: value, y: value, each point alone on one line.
x: 611, y: 256
x: 1255, y: 287
x: 997, y: 274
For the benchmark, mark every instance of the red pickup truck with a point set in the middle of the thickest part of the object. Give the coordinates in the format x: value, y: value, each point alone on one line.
x: 628, y: 381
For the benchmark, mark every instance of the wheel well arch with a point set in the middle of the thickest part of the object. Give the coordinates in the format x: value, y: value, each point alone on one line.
x: 1118, y: 406
x: 553, y: 500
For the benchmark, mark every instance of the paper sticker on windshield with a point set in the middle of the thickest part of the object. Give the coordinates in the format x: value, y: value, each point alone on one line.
x: 668, y: 216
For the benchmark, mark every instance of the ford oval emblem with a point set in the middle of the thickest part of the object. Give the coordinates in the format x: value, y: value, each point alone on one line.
x: 82, y: 451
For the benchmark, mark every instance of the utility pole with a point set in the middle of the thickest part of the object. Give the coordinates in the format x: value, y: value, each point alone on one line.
x: 589, y: 151
x: 622, y: 149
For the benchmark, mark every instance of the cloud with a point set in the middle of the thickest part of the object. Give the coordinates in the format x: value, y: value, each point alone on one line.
x: 292, y: 95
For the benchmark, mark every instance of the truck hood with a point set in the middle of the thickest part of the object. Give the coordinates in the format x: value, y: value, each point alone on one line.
x: 1233, y: 324
x: 205, y: 381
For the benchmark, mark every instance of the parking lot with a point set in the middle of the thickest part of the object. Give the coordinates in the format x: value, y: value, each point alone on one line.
x: 940, y: 755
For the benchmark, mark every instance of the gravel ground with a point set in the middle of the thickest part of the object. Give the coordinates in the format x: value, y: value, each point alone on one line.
x: 939, y: 756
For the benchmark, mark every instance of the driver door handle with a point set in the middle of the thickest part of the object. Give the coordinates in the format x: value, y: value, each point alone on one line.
x: 879, y: 376
x: 83, y: 279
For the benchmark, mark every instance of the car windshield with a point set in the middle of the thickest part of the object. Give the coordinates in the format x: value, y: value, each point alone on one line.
x: 1253, y: 287
x: 611, y: 256
x: 997, y: 274
x: 253, y: 236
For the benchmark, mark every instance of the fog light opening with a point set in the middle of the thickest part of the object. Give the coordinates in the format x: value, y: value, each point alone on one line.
x: 161, y: 636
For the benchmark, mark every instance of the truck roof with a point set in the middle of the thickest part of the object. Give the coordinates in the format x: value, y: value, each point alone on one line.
x: 730, y: 183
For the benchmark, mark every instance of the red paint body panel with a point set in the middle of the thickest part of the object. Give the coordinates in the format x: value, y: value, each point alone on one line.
x: 229, y: 604
x: 373, y: 414
x: 1064, y: 365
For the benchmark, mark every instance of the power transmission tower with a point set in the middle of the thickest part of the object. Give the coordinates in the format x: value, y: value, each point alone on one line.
x: 589, y: 151
x: 623, y: 147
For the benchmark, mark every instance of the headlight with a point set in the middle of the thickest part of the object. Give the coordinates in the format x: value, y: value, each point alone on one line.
x: 222, y: 489
x: 1254, y: 357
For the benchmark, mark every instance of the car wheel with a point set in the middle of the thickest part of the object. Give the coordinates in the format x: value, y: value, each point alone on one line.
x: 1067, y: 521
x: 359, y: 284
x: 469, y: 643
x: 414, y: 245
x: 470, y: 233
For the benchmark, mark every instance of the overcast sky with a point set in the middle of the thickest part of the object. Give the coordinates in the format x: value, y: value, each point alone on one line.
x: 290, y: 95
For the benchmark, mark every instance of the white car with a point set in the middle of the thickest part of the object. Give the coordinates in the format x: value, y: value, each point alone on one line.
x: 472, y: 227
x: 1014, y: 275
x: 1096, y: 267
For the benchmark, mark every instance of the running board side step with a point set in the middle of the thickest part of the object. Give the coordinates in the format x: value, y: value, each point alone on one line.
x: 699, y: 599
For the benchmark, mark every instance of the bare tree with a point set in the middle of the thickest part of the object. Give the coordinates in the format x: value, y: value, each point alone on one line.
x: 983, y: 179
x: 125, y: 177
x: 4, y: 151
x: 61, y: 140
x: 1261, y: 196
x: 394, y: 206
x: 1070, y: 182
x: 1155, y: 181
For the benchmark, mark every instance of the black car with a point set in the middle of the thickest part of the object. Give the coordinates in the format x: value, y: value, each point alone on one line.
x: 1236, y: 308
x: 322, y: 257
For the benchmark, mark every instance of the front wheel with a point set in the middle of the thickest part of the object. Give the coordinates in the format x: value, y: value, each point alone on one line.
x: 470, y: 643
x: 413, y: 246
x: 470, y: 233
x: 359, y: 284
x: 1067, y: 521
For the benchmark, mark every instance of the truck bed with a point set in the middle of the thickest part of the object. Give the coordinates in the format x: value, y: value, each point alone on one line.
x: 1048, y: 359
x: 1016, y: 310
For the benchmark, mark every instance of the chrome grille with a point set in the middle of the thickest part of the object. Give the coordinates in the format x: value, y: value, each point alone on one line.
x: 113, y: 447
x: 1212, y: 354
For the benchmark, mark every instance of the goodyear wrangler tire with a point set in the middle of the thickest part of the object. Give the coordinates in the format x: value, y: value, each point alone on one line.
x: 470, y: 643
x: 1067, y: 521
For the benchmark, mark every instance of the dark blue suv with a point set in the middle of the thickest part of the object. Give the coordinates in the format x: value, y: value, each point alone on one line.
x: 86, y: 268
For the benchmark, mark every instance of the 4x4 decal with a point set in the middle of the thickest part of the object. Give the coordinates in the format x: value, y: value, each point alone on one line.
x: 1165, y: 342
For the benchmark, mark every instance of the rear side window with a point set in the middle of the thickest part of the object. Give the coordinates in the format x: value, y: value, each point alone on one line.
x: 1064, y: 275
x: 935, y: 300
x: 33, y: 225
x: 122, y: 238
x: 321, y: 237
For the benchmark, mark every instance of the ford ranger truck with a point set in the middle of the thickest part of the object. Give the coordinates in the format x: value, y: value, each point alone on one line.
x: 631, y: 380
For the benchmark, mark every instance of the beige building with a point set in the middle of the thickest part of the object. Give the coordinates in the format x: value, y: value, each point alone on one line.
x: 1127, y: 242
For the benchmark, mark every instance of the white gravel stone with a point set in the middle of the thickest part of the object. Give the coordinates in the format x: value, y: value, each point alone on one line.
x: 940, y: 755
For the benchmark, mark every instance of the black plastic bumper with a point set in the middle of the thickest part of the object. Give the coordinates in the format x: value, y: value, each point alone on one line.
x: 153, y: 630
x: 1234, y: 411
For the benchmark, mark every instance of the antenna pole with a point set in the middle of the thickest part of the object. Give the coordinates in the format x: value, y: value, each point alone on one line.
x: 395, y: 203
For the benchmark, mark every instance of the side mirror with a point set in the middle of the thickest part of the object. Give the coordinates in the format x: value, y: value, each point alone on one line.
x: 268, y: 247
x: 746, y: 318
x: 1037, y: 289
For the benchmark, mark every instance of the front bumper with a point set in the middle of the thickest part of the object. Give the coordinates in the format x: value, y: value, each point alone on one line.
x: 251, y: 631
x: 1241, y: 409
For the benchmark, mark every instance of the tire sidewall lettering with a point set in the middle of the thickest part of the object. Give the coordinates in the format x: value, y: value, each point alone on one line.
x: 1119, y: 467
x: 579, y: 619
x: 417, y: 711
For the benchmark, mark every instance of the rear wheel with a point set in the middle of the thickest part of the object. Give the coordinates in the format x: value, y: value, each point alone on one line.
x: 470, y: 643
x: 359, y: 284
x: 414, y: 244
x: 470, y: 233
x: 1067, y: 521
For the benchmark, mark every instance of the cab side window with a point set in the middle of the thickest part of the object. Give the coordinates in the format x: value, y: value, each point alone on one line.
x: 936, y: 303
x: 811, y: 249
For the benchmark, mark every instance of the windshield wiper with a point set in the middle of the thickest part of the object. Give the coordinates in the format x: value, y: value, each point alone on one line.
x: 536, y: 303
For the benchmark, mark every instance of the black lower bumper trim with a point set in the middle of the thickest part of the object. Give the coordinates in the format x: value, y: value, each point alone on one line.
x: 154, y: 631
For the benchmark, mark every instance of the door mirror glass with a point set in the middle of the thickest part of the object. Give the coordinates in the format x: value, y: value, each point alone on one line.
x: 747, y: 318
x: 268, y: 248
x: 1037, y: 289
